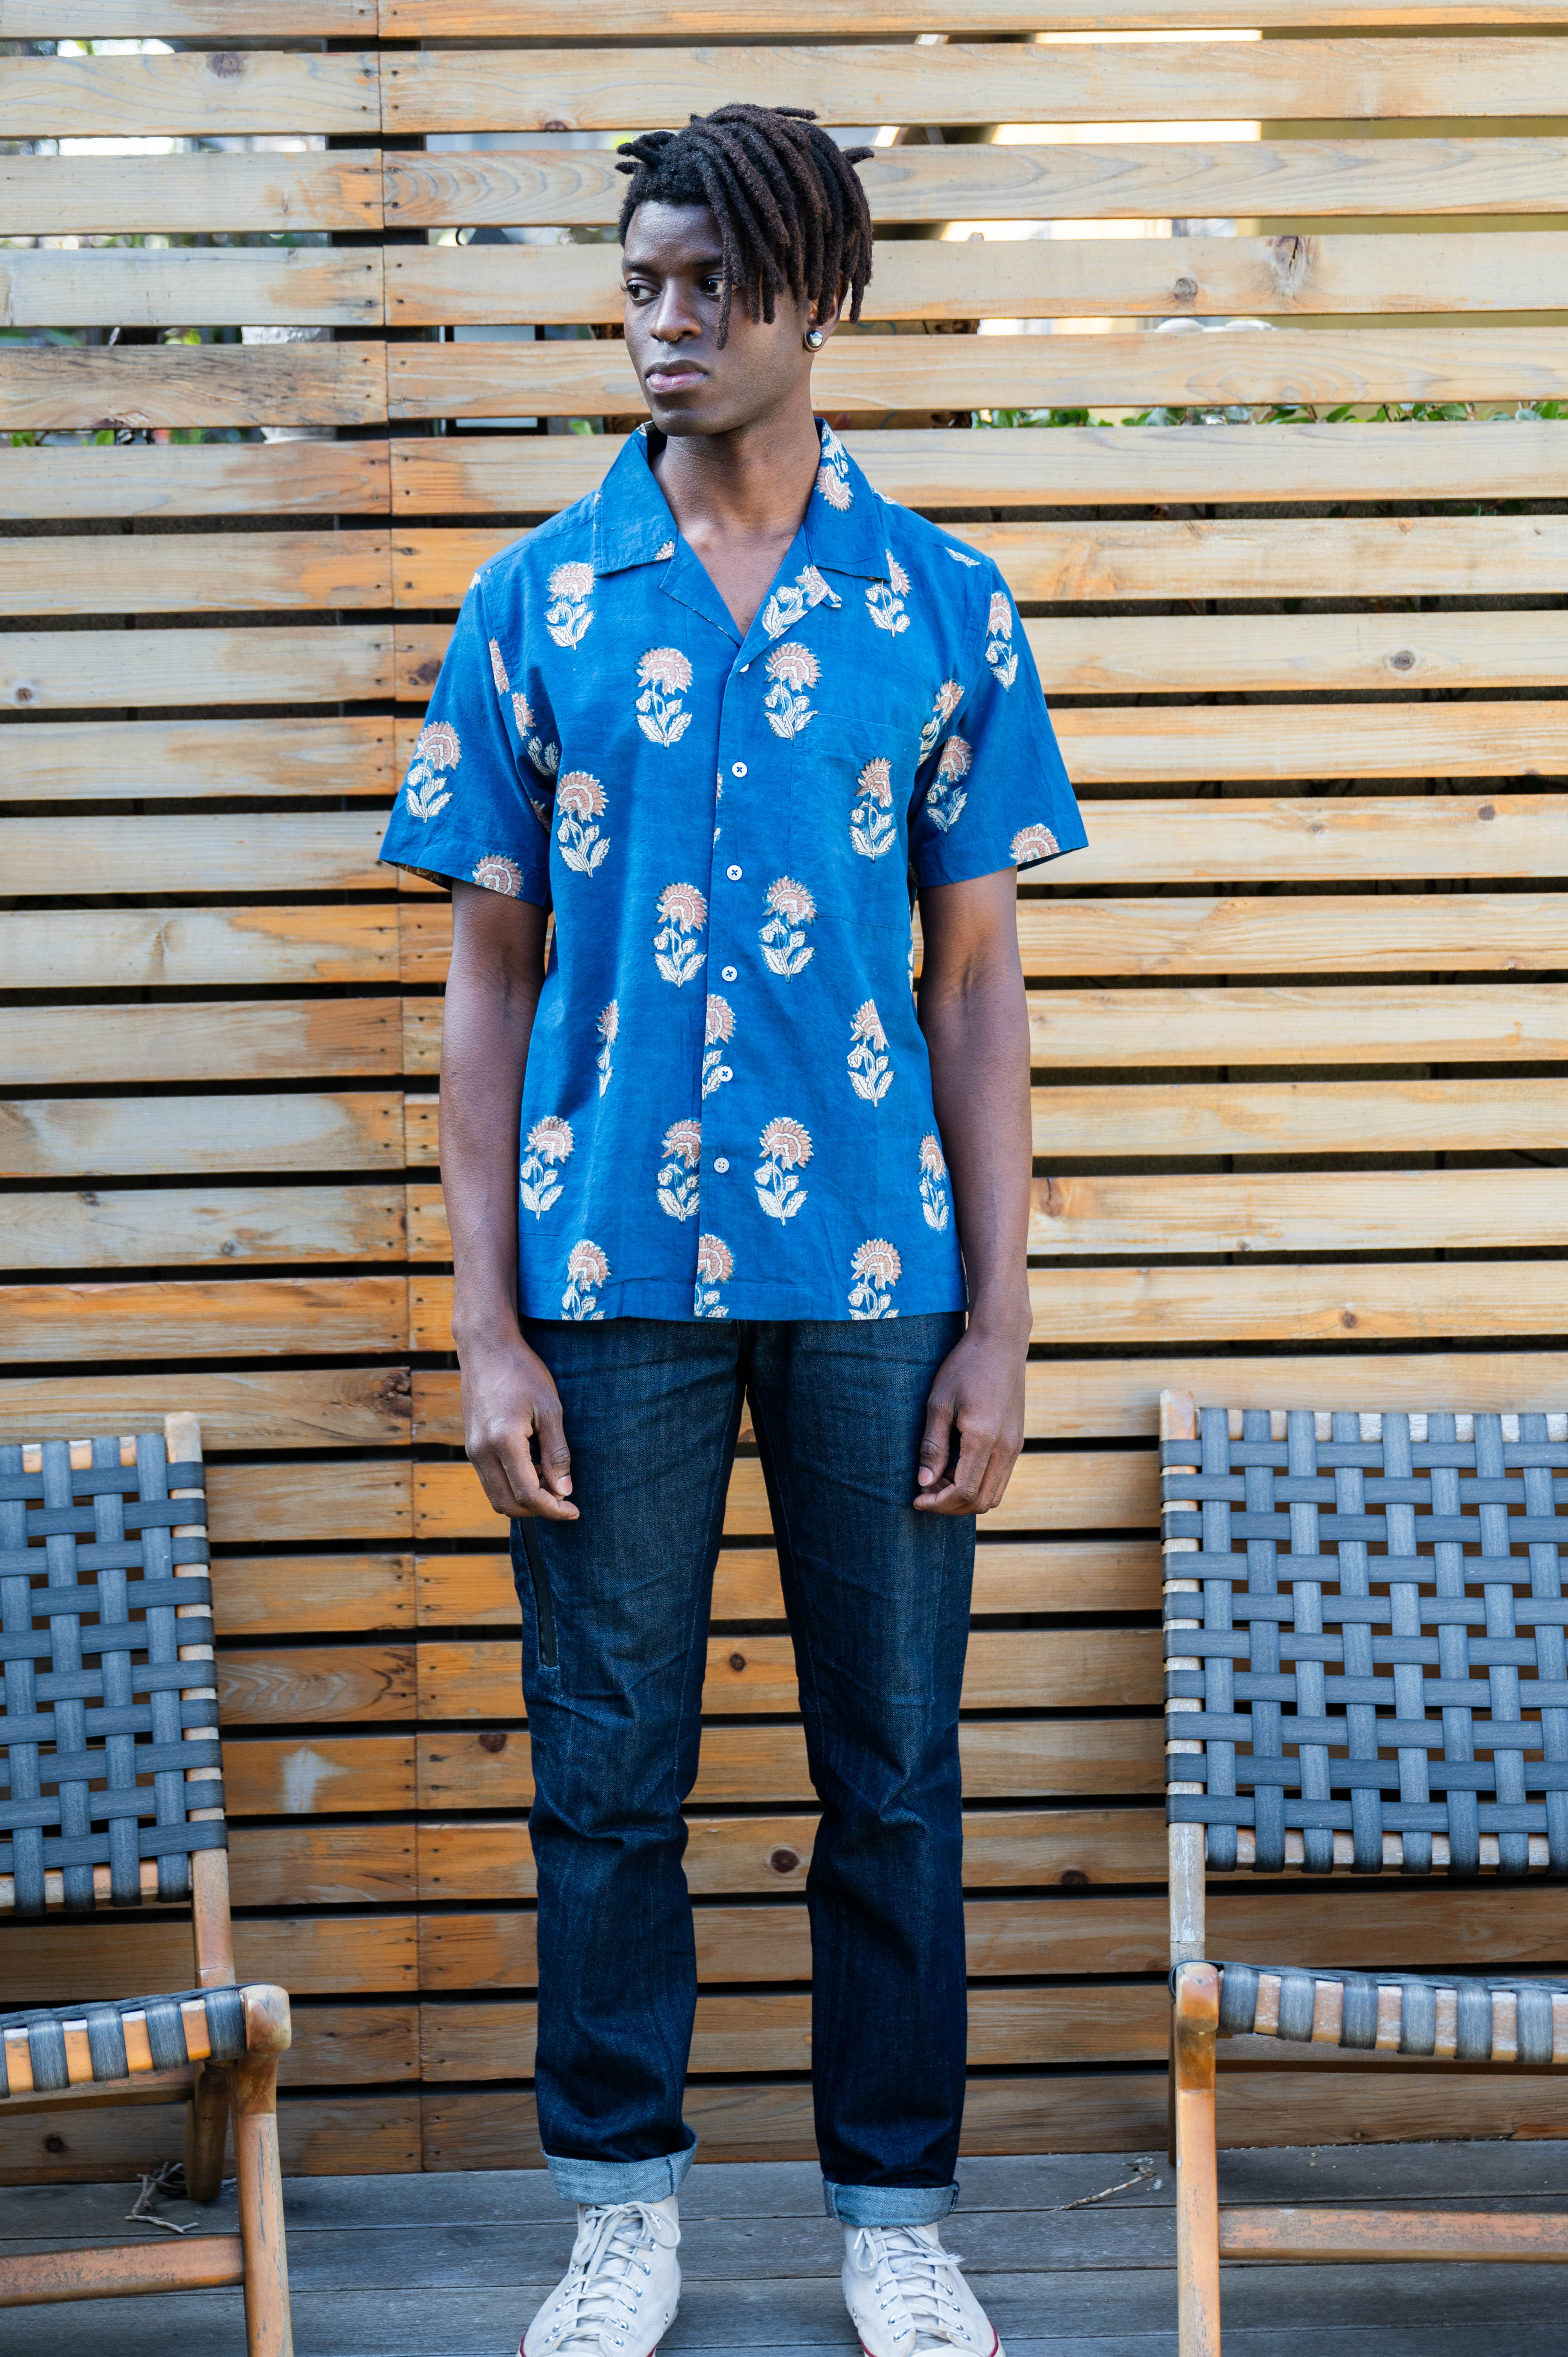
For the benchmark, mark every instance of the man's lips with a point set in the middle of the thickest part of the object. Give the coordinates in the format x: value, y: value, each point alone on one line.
x: 672, y: 375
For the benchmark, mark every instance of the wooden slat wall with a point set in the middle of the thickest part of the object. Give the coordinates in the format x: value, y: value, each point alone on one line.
x: 1300, y: 1014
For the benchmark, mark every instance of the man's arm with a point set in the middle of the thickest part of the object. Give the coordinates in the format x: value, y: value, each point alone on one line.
x: 509, y: 1396
x: 975, y: 1019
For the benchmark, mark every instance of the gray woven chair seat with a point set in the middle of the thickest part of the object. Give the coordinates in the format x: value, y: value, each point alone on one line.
x: 67, y: 2045
x: 1476, y: 2018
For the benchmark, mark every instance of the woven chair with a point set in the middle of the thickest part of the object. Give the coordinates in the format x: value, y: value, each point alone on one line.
x: 1366, y: 1668
x: 111, y: 1790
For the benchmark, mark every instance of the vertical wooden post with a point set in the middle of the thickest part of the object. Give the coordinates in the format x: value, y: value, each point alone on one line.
x: 1197, y: 2189
x: 206, y: 2132
x: 268, y: 2331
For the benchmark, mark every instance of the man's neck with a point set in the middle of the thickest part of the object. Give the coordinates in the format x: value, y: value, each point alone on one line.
x: 751, y: 485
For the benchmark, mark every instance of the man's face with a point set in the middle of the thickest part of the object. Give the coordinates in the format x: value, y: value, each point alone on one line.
x: 673, y: 269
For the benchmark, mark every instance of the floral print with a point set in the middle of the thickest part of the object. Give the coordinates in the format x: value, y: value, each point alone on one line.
x: 790, y: 908
x: 663, y: 674
x: 683, y: 1151
x: 718, y: 1031
x: 568, y: 614
x: 548, y: 1144
x: 876, y: 1269
x: 792, y: 668
x: 785, y: 1148
x: 580, y: 804
x: 715, y: 1266
x: 933, y: 1173
x: 497, y: 873
x: 871, y: 827
x: 728, y: 1108
x: 870, y: 1071
x: 885, y: 599
x: 425, y: 788
x: 999, y: 650
x: 787, y: 607
x: 682, y: 914
x: 587, y: 1273
x: 1032, y: 842
x: 944, y: 798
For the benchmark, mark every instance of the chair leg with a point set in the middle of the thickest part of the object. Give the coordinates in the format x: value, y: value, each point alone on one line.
x: 268, y: 2331
x: 207, y: 2133
x: 1197, y: 2189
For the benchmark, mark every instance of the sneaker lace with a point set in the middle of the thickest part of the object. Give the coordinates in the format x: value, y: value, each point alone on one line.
x: 598, y: 2299
x: 906, y: 2268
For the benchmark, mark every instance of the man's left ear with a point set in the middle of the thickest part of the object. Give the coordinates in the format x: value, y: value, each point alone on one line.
x: 820, y: 326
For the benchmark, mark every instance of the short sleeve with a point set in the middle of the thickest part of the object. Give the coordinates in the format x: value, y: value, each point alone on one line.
x: 993, y: 791
x: 464, y: 811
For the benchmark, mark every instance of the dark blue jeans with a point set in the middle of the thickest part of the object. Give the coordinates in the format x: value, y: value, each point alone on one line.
x: 616, y: 1608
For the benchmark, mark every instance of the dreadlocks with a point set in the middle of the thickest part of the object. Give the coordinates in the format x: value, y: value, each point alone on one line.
x: 793, y: 215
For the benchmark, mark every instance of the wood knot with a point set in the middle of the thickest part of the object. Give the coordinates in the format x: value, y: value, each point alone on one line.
x: 1347, y: 1318
x: 783, y: 1861
x: 23, y: 695
x: 1487, y: 810
x: 1186, y: 290
x: 555, y: 123
x: 225, y: 65
x: 493, y: 1740
x: 737, y: 1660
x: 1404, y: 661
x: 1073, y: 1877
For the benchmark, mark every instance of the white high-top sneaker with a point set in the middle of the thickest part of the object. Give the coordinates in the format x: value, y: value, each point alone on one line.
x: 621, y: 2291
x: 906, y: 2295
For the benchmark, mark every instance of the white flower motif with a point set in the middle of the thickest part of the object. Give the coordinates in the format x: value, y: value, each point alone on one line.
x: 783, y: 932
x: 785, y: 1148
x: 682, y: 914
x: 933, y: 1171
x: 944, y: 703
x: 944, y: 798
x: 792, y: 668
x: 437, y: 751
x: 870, y: 1071
x: 499, y: 874
x: 587, y: 1270
x: 1000, y: 651
x: 885, y: 599
x: 959, y: 557
x: 607, y: 1026
x: 790, y: 605
x: 546, y: 758
x: 568, y: 615
x: 662, y: 554
x: 876, y: 1269
x: 715, y: 1266
x: 580, y: 804
x: 424, y: 801
x: 832, y: 475
x: 663, y: 673
x: 871, y: 827
x: 1032, y: 842
x: 683, y: 1151
x: 719, y: 1030
x: 549, y: 1143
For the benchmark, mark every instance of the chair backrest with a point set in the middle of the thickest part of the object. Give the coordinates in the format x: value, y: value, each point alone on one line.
x: 110, y: 1780
x: 1365, y: 1645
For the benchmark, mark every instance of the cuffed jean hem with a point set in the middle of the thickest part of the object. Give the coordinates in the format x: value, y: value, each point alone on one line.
x: 619, y: 2180
x: 888, y: 2205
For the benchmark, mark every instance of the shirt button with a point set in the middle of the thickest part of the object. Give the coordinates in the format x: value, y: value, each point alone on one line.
x: 720, y: 1163
x: 729, y: 974
x: 733, y: 875
x: 737, y: 768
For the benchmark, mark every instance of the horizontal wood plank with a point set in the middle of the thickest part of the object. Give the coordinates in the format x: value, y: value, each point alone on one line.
x: 65, y: 760
x: 313, y: 1955
x: 276, y: 1039
x: 1362, y: 1302
x: 1493, y: 1022
x: 352, y: 1498
x: 302, y: 286
x: 189, y: 1226
x: 213, y: 91
x: 53, y: 671
x: 188, y: 385
x: 583, y: 90
x: 1247, y: 1117
x: 1323, y: 838
x: 299, y: 1776
x: 318, y: 1866
x: 317, y: 851
x: 818, y: 19
x: 264, y: 1407
x: 130, y: 948
x: 1289, y: 178
x: 279, y: 19
x: 245, y: 1318
x: 71, y: 1137
x: 327, y: 2135
x: 80, y: 196
x: 261, y: 1596
x: 1311, y: 365
x: 279, y: 479
x: 337, y: 1684
x: 1106, y: 1397
x: 1009, y: 467
x: 216, y: 572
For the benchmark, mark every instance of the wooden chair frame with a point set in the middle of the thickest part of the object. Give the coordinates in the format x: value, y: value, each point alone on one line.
x: 230, y: 2038
x: 1206, y: 2234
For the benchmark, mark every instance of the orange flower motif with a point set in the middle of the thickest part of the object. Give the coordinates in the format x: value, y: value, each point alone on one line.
x: 571, y: 580
x: 715, y: 1261
x: 865, y: 1024
x: 720, y: 1022
x: 788, y: 899
x: 438, y: 745
x: 788, y: 1143
x: 999, y: 623
x: 684, y: 1140
x: 497, y: 670
x: 586, y: 1265
x: 499, y: 874
x: 795, y: 665
x: 581, y: 794
x: 521, y: 714
x: 664, y: 667
x: 684, y: 905
x: 931, y: 1155
x: 948, y: 697
x: 877, y: 780
x: 955, y: 759
x: 551, y: 1138
x: 877, y: 1260
x: 1033, y: 843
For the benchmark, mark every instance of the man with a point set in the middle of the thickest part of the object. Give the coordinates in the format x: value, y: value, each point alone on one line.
x: 716, y: 718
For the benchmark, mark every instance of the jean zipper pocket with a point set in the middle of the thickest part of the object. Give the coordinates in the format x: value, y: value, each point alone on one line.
x: 544, y: 1609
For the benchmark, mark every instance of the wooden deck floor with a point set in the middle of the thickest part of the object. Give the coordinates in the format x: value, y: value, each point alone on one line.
x: 454, y: 2265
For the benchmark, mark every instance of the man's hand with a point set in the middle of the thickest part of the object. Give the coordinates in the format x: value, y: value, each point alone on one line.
x: 510, y: 1404
x: 976, y: 1409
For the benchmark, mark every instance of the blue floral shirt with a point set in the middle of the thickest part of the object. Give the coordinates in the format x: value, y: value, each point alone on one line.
x: 727, y: 1105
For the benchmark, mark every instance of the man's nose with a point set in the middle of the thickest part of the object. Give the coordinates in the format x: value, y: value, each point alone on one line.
x: 673, y: 317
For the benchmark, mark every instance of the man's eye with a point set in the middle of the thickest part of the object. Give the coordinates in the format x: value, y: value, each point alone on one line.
x: 714, y: 286
x: 638, y: 291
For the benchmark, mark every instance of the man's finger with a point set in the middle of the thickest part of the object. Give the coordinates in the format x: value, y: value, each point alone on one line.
x: 936, y: 1443
x: 495, y: 1482
x: 555, y: 1456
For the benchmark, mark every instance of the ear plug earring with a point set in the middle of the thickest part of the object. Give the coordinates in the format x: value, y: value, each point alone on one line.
x: 815, y: 340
